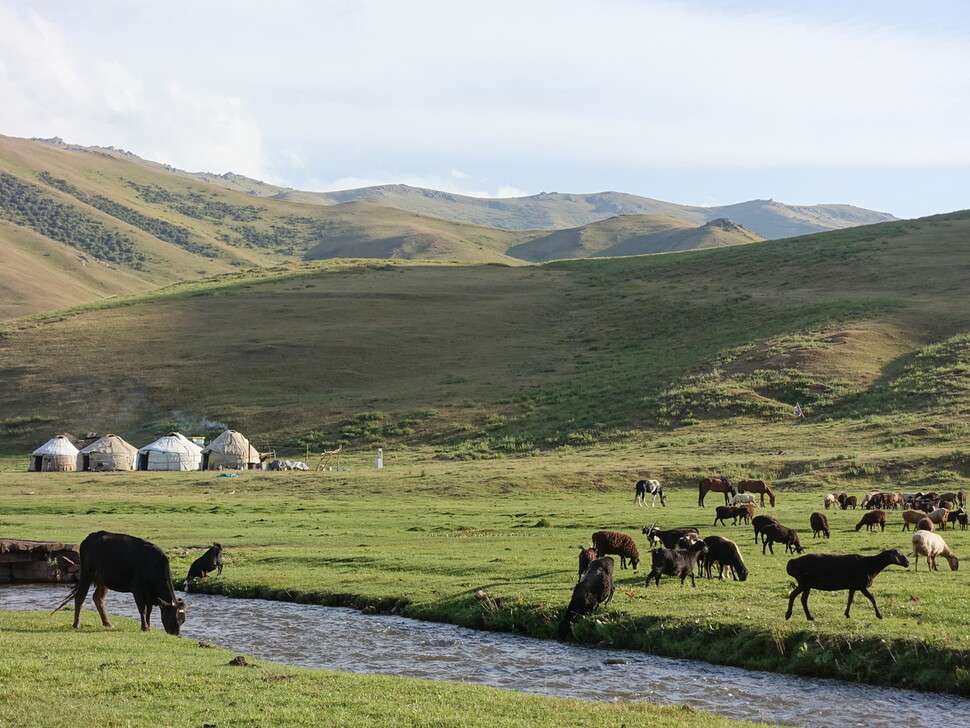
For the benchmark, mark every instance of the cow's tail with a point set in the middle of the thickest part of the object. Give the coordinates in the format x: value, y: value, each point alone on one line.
x: 67, y: 599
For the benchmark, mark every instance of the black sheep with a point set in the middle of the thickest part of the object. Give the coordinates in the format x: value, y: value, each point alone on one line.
x: 820, y: 524
x: 724, y: 552
x: 836, y: 573
x: 595, y: 588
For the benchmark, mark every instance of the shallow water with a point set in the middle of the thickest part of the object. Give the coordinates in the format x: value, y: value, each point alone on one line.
x: 344, y: 639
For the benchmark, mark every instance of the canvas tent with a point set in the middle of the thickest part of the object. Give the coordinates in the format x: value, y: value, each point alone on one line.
x: 170, y: 452
x: 230, y: 451
x: 108, y: 453
x: 57, y: 454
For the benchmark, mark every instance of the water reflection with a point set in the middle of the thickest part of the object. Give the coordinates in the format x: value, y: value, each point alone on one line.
x: 346, y: 640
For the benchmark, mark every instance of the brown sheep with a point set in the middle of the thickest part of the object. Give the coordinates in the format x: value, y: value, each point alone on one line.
x: 820, y: 524
x: 872, y: 519
x: 911, y: 518
x: 614, y: 542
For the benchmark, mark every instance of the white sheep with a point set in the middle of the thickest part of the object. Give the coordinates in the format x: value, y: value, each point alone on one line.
x: 931, y: 545
x: 830, y: 500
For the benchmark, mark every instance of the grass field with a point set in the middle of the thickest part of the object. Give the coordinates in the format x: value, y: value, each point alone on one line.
x: 421, y: 537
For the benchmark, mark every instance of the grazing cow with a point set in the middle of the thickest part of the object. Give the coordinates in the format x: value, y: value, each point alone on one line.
x: 210, y: 561
x: 715, y: 485
x: 127, y: 564
x: 652, y: 488
x: 595, y: 588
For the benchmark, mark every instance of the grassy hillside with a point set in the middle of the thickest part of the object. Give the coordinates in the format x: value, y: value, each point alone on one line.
x: 864, y: 328
x: 632, y: 235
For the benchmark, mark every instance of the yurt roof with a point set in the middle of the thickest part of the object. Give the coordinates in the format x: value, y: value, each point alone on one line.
x: 110, y: 444
x: 173, y: 442
x: 58, y: 445
x: 231, y: 442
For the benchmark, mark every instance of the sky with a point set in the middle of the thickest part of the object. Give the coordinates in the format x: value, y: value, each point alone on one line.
x: 710, y: 102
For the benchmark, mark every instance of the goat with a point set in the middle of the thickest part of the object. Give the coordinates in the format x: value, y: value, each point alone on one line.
x: 595, y: 588
x: 931, y: 545
x: 911, y: 518
x: 210, y: 561
x: 675, y: 562
x: 958, y: 516
x: 724, y: 553
x: 668, y: 538
x: 820, y: 524
x: 586, y: 557
x: 759, y: 523
x: 775, y: 532
x: 872, y: 519
x: 614, y: 542
x: 735, y: 512
x: 829, y: 572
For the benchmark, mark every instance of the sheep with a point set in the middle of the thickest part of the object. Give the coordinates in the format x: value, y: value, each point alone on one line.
x: 820, y: 524
x: 931, y: 545
x: 595, y: 588
x: 735, y: 512
x: 925, y: 524
x: 759, y: 523
x: 675, y: 562
x: 668, y: 538
x: 872, y: 519
x: 939, y: 517
x: 911, y: 518
x: 850, y: 501
x: 830, y: 500
x: 829, y: 572
x: 586, y: 556
x: 775, y: 532
x: 613, y: 542
x: 724, y: 553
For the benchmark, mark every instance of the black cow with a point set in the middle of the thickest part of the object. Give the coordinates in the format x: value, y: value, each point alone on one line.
x: 210, y: 561
x: 127, y: 564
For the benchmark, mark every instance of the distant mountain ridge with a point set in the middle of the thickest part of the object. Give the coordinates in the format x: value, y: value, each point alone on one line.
x: 547, y: 210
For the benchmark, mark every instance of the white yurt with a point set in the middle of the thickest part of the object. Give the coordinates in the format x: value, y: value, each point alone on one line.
x: 230, y: 451
x: 57, y: 454
x: 170, y: 452
x: 108, y: 453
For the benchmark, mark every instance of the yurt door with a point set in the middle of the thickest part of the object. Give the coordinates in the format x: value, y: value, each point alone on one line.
x: 143, y: 461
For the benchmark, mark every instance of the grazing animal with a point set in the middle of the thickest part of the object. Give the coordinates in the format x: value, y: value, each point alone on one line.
x: 715, y: 485
x: 931, y: 545
x: 614, y: 542
x: 652, y: 488
x: 595, y: 588
x: 668, y: 538
x: 776, y: 533
x: 586, y: 557
x: 126, y: 564
x: 830, y: 500
x: 850, y: 501
x: 925, y: 524
x: 724, y: 553
x: 829, y: 572
x: 759, y: 523
x: 958, y: 516
x: 939, y: 517
x: 820, y: 524
x: 675, y: 562
x: 757, y: 486
x: 871, y: 519
x: 734, y: 512
x: 741, y: 498
x: 911, y: 518
x: 208, y: 562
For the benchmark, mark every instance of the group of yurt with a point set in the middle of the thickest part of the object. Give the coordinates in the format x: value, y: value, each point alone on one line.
x: 229, y: 451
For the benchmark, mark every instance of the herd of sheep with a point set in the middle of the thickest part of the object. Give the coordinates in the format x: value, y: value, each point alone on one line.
x: 682, y: 552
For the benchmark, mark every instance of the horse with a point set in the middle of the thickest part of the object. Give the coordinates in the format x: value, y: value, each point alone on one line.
x: 716, y: 485
x: 650, y: 487
x: 757, y: 486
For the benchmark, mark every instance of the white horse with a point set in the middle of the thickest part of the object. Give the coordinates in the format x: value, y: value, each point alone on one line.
x: 742, y: 498
x: 650, y: 487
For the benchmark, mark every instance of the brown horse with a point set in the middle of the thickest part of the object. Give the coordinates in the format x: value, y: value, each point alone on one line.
x: 715, y: 485
x: 757, y: 486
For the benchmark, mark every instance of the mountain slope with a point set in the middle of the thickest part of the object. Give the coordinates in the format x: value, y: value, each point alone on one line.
x: 857, y: 323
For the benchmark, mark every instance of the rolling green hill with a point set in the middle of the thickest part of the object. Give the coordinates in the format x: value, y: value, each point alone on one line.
x: 865, y: 328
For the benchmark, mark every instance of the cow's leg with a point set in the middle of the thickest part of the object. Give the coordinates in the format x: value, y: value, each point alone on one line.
x: 80, y: 594
x: 144, y: 611
x: 100, y: 594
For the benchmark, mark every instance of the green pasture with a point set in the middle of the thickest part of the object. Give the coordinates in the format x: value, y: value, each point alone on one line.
x: 423, y: 537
